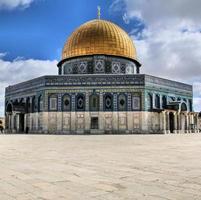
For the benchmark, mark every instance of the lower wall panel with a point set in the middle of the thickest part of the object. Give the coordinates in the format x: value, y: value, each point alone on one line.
x: 101, y: 122
x: 95, y: 122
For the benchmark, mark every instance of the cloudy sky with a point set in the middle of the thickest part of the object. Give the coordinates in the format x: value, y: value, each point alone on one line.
x: 167, y: 35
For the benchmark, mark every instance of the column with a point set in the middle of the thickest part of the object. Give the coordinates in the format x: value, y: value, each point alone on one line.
x: 101, y: 101
x: 129, y: 102
x: 115, y: 102
x: 87, y: 101
x: 190, y: 122
x: 164, y: 122
x: 36, y: 121
x: 161, y: 102
x: 18, y: 122
x: 12, y: 122
x: 73, y: 102
x: 197, y: 123
x: 167, y: 123
x: 153, y: 100
x: 187, y: 123
x: 87, y: 117
x: 115, y: 120
x: 73, y: 116
x: 178, y: 122
x: 182, y: 123
x: 59, y: 102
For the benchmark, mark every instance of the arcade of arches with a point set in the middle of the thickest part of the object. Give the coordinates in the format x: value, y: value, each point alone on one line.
x: 164, y: 116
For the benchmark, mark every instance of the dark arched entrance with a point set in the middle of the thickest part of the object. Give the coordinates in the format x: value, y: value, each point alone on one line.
x: 9, y: 108
x: 171, y: 122
x: 164, y: 102
x: 21, y: 122
x: 183, y: 107
x: 94, y: 102
x: 150, y: 102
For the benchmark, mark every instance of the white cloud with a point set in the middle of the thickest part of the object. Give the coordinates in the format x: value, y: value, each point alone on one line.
x: 12, y: 4
x: 21, y: 70
x: 171, y: 54
x: 164, y: 13
x: 3, y: 55
x: 126, y: 18
x: 170, y: 45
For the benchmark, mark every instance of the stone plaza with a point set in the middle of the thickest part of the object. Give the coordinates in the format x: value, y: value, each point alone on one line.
x: 84, y: 167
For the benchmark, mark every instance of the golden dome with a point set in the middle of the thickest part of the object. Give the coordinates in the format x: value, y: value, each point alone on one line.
x: 99, y: 37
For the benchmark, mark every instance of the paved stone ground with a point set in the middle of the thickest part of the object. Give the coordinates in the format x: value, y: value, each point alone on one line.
x: 100, y: 167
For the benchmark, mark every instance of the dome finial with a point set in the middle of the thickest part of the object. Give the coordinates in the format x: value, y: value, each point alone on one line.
x: 99, y: 12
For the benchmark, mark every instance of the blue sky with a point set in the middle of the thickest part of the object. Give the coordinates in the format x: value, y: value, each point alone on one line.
x: 33, y: 32
x: 39, y: 31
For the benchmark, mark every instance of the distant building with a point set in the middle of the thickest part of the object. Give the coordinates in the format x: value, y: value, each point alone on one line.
x: 199, y: 121
x: 99, y: 89
x: 2, y: 123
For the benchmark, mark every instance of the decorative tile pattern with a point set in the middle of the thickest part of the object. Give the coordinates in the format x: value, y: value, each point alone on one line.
x: 99, y: 66
x: 116, y: 68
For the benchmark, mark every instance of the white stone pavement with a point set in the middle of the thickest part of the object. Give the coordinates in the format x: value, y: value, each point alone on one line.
x: 100, y: 167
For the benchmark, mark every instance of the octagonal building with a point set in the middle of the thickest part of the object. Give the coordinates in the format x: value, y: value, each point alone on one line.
x: 99, y: 90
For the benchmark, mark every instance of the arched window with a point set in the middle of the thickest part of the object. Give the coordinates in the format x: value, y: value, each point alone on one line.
x: 116, y: 68
x: 53, y: 102
x: 66, y: 103
x: 28, y: 105
x: 122, y: 105
x: 157, y: 101
x: 40, y: 103
x: 99, y: 66
x: 82, y: 67
x: 123, y: 68
x: 94, y: 102
x: 149, y: 102
x: 108, y: 67
x: 136, y: 102
x: 183, y: 107
x: 108, y: 102
x: 9, y: 108
x: 33, y: 105
x: 164, y: 102
x: 67, y: 68
x: 75, y: 68
x: 80, y: 102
